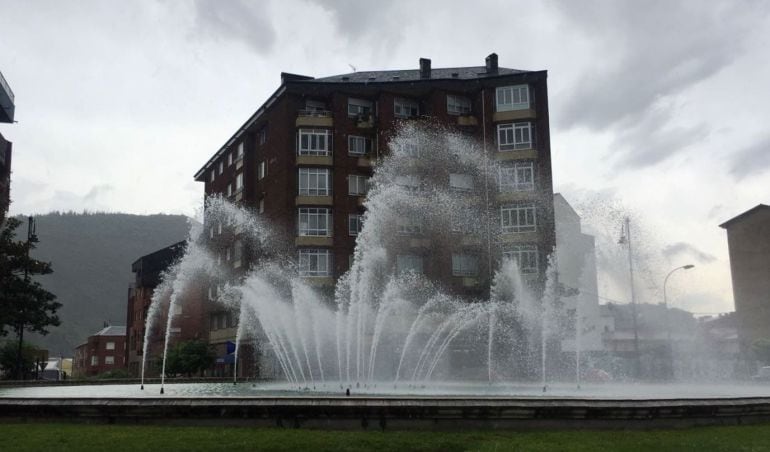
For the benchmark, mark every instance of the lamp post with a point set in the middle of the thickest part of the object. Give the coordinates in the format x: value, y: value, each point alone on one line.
x: 665, y: 306
x: 625, y: 239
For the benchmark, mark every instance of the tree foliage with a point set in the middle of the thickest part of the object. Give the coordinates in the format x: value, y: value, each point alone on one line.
x: 761, y: 350
x: 188, y: 358
x: 8, y: 357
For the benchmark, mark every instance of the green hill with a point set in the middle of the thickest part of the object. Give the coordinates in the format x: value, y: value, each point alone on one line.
x: 91, y: 255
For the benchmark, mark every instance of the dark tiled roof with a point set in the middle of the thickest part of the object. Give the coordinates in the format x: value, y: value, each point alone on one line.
x: 745, y: 214
x: 413, y: 75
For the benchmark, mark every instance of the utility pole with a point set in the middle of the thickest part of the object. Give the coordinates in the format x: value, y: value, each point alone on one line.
x: 625, y: 238
x: 31, y: 237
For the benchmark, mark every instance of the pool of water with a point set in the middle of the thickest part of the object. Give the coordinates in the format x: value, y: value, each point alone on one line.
x: 609, y: 391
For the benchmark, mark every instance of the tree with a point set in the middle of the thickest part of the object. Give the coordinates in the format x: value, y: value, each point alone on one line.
x: 189, y: 357
x: 9, y: 360
x: 24, y: 304
x: 761, y: 349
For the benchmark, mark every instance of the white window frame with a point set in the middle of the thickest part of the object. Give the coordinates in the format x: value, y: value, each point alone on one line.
x: 314, y: 262
x: 239, y: 155
x: 262, y: 135
x: 262, y: 170
x: 109, y: 360
x: 404, y: 108
x: 238, y: 182
x: 526, y: 257
x: 221, y: 167
x: 109, y: 346
x: 262, y: 205
x: 461, y: 182
x: 309, y: 181
x: 518, y: 218
x: 514, y: 136
x: 465, y: 265
x: 359, y: 145
x: 317, y: 142
x: 212, y: 175
x: 94, y: 360
x: 357, y: 185
x: 359, y: 108
x: 355, y: 223
x: 519, y: 176
x: 314, y: 222
x: 410, y: 263
x: 514, y: 97
x: 457, y: 105
x: 408, y: 225
x: 229, y: 190
x: 229, y: 158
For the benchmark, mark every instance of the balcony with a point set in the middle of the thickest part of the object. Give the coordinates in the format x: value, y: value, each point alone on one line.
x: 513, y: 196
x: 467, y: 121
x: 305, y: 240
x: 517, y: 154
x: 313, y: 200
x: 314, y: 118
x: 520, y: 237
x: 7, y: 99
x: 513, y: 115
x: 318, y: 280
x: 316, y: 160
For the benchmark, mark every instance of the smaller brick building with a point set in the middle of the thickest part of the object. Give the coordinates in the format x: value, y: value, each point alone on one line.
x: 102, y: 352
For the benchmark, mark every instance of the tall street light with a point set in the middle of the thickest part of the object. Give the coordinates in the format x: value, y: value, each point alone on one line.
x: 665, y: 306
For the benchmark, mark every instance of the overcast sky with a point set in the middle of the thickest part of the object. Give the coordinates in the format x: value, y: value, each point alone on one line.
x: 659, y: 109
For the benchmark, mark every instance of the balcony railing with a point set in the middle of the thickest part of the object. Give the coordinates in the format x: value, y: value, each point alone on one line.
x: 315, y: 113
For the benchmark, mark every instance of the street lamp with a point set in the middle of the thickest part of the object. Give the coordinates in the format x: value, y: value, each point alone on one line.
x: 665, y: 306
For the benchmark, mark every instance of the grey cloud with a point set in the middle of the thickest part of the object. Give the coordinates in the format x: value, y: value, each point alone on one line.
x: 240, y: 20
x: 752, y: 160
x: 654, y: 49
x: 96, y: 191
x: 683, y: 248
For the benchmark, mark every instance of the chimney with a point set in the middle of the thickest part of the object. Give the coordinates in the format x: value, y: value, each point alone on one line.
x: 491, y: 63
x: 424, y: 67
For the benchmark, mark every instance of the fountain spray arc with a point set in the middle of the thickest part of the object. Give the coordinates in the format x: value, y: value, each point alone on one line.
x: 388, y: 320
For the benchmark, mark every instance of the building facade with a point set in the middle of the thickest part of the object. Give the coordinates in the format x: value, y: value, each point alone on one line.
x: 102, y: 352
x: 748, y: 240
x: 7, y: 108
x: 303, y: 159
x: 187, y: 323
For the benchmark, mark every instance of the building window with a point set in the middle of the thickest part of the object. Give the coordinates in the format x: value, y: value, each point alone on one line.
x: 517, y: 177
x: 355, y: 223
x: 458, y: 105
x: 525, y: 257
x: 512, y: 97
x: 262, y: 170
x: 211, y: 232
x: 515, y: 136
x: 409, y: 225
x: 239, y: 156
x: 359, y: 108
x: 518, y: 218
x: 405, y: 108
x: 357, y: 185
x: 314, y: 142
x: 211, y: 175
x: 315, y: 107
x: 229, y: 190
x: 229, y: 158
x: 314, y: 182
x: 408, y: 183
x: 239, y: 182
x: 359, y: 145
x: 315, y: 262
x: 262, y: 205
x: 219, y: 227
x: 109, y: 346
x: 237, y: 250
x: 94, y: 360
x: 221, y: 167
x: 262, y: 136
x: 409, y: 263
x: 109, y: 360
x: 461, y: 182
x: 315, y: 222
x: 227, y: 254
x: 465, y: 265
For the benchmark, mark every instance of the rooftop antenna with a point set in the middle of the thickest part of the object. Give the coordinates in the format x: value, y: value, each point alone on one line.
x: 352, y: 67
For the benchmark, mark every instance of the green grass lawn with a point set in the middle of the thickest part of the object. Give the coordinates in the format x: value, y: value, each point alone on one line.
x: 81, y: 437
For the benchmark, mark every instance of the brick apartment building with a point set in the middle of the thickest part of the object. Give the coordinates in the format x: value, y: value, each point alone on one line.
x: 102, y: 352
x: 748, y: 241
x: 7, y: 108
x: 305, y: 155
x: 186, y: 325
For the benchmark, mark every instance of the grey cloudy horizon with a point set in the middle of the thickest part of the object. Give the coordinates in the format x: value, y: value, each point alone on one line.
x: 658, y: 108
